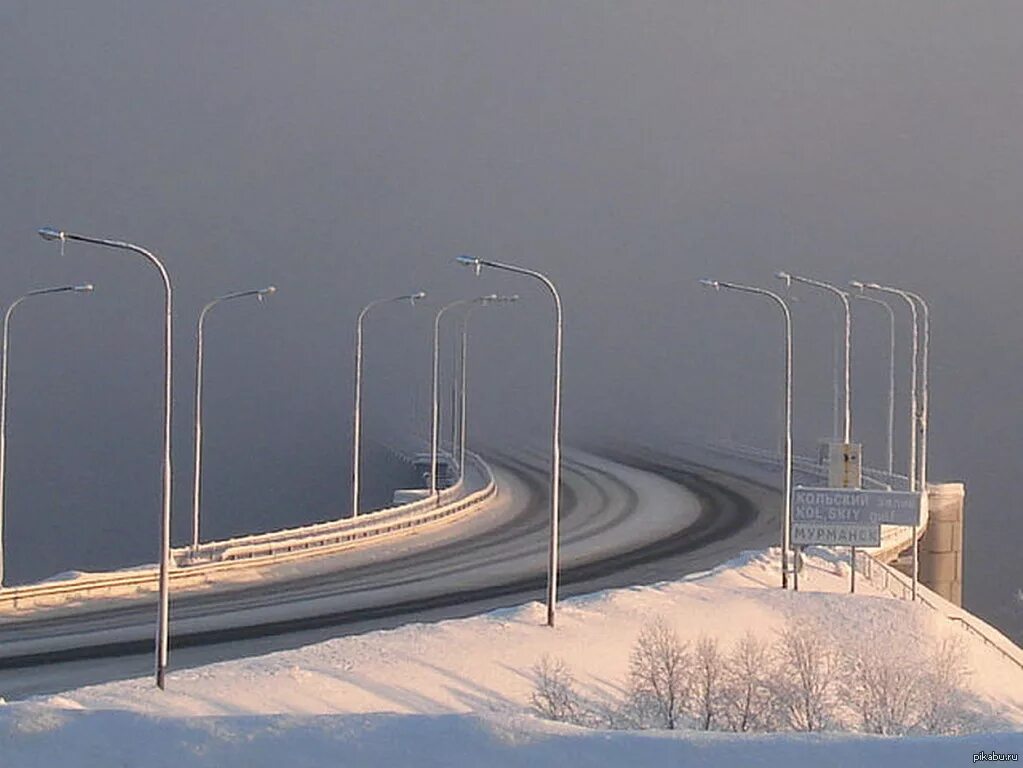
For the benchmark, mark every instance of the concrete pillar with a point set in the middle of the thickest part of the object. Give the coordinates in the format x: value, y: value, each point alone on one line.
x: 941, y: 546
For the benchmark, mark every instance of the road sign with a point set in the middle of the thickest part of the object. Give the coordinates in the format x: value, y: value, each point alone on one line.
x: 837, y: 534
x: 853, y: 506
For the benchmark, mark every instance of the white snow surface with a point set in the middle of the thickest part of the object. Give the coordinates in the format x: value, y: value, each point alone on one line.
x: 456, y: 693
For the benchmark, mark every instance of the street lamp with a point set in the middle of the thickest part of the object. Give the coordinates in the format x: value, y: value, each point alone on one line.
x: 259, y: 293
x: 844, y: 297
x: 847, y: 421
x: 163, y: 612
x: 552, y: 563
x: 786, y: 523
x: 434, y: 392
x: 891, y: 370
x: 924, y: 412
x: 357, y: 418
x: 913, y: 416
x: 487, y: 301
x: 912, y: 371
x: 3, y: 399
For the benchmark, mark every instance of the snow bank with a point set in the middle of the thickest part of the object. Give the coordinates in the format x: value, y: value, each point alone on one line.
x: 104, y: 738
x: 457, y: 692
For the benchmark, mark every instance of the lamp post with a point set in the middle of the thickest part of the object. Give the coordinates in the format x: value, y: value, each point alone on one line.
x: 259, y: 293
x: 435, y: 394
x: 786, y: 523
x: 552, y: 561
x: 923, y: 414
x: 163, y: 612
x: 3, y: 398
x: 913, y: 413
x: 357, y: 415
x: 463, y: 356
x: 891, y: 371
x: 843, y: 296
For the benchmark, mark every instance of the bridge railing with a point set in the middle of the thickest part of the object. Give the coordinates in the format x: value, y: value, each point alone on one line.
x: 264, y: 549
x: 898, y: 584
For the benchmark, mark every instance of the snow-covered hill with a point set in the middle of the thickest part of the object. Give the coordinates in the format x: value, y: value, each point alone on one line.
x: 458, y: 692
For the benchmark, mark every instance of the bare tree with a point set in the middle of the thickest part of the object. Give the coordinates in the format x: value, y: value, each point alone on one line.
x: 805, y: 667
x: 882, y: 682
x: 708, y: 665
x: 553, y: 694
x: 658, y: 676
x: 943, y: 697
x: 746, y: 691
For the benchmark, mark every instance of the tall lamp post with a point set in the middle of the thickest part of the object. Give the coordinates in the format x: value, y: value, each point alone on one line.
x: 463, y: 356
x: 786, y: 522
x: 891, y: 371
x: 913, y: 413
x: 843, y: 296
x: 163, y: 612
x: 924, y: 406
x: 3, y: 398
x: 552, y: 561
x: 259, y: 293
x: 435, y: 391
x: 411, y: 298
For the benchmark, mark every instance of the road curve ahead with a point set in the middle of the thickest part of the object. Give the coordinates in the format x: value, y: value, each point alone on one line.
x: 637, y: 517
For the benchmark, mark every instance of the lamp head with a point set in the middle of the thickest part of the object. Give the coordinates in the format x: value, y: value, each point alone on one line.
x: 857, y: 284
x: 416, y: 297
x: 784, y: 276
x: 84, y: 288
x: 874, y: 286
x: 50, y: 233
x: 711, y: 284
x: 470, y: 261
x: 262, y: 293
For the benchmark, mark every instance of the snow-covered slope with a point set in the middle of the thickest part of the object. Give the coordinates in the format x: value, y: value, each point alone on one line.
x: 457, y: 692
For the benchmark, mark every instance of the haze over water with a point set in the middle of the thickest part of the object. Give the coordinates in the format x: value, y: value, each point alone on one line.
x: 347, y: 151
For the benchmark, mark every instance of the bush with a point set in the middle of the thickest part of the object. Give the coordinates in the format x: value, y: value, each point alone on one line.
x: 553, y: 694
x: 659, y: 670
x: 708, y: 668
x: 805, y: 665
x: 746, y: 696
x: 943, y: 697
x: 882, y: 683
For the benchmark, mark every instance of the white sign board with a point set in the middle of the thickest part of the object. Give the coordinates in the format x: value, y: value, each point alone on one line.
x: 853, y: 506
x: 837, y: 534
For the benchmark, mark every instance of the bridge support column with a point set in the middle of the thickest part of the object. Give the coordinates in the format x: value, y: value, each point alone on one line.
x: 941, y: 546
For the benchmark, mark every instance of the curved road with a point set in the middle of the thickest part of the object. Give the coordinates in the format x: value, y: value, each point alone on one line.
x: 496, y: 560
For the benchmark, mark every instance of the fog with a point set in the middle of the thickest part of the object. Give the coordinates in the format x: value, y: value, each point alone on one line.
x: 348, y: 151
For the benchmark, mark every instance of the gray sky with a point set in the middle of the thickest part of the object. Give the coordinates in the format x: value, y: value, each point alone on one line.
x: 346, y: 151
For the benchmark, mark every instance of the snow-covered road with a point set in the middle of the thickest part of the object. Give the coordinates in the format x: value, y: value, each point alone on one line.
x: 627, y: 521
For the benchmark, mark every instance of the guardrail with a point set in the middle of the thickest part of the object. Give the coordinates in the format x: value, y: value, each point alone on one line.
x: 810, y: 466
x: 261, y: 550
x: 898, y: 584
